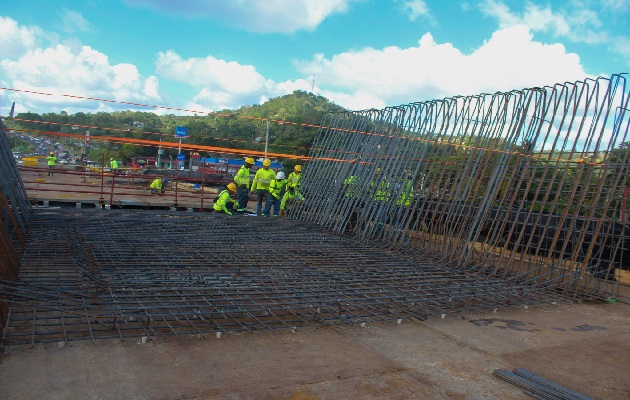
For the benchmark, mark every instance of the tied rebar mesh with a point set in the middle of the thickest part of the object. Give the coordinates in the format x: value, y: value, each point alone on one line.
x: 529, y: 185
x: 96, y: 274
x: 15, y: 211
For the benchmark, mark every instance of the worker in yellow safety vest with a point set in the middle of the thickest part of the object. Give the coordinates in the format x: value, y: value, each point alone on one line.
x: 293, y: 188
x: 241, y: 179
x: 113, y: 165
x: 276, y: 191
x: 158, y: 186
x: 262, y: 179
x: 51, y: 160
x: 224, y: 203
x: 406, y: 195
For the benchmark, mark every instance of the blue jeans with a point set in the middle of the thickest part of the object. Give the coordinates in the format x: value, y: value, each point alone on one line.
x: 272, y: 201
x: 260, y: 195
x: 243, y: 197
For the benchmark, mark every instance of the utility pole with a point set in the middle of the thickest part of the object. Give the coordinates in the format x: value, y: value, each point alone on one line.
x: 267, y: 138
x: 160, y: 151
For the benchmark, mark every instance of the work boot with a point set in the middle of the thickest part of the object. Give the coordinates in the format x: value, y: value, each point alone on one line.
x: 282, y: 213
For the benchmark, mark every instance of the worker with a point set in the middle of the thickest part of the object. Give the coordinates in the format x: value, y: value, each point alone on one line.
x: 224, y: 203
x: 406, y: 194
x: 261, y: 182
x: 158, y: 186
x: 293, y: 189
x: 276, y: 191
x: 380, y: 194
x: 51, y: 159
x: 113, y: 164
x: 241, y: 179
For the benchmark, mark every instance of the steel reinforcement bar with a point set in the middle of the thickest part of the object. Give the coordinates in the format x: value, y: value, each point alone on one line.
x: 91, y: 274
x: 15, y: 210
x: 530, y: 185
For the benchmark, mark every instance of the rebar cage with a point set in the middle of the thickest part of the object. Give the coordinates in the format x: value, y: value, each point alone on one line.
x: 528, y: 185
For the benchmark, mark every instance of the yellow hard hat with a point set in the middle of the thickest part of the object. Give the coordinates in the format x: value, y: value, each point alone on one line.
x: 111, y: 159
x: 378, y: 171
x: 231, y: 187
x: 52, y: 153
x: 266, y: 162
x: 298, y: 168
x: 249, y: 160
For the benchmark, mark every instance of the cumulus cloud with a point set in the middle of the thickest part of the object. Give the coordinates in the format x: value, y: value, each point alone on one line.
x: 16, y: 40
x: 575, y: 22
x: 264, y: 16
x: 65, y: 70
x: 221, y: 83
x: 510, y: 59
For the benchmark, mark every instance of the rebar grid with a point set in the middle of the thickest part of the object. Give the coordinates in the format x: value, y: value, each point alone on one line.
x: 14, y: 216
x: 530, y: 184
x: 91, y: 274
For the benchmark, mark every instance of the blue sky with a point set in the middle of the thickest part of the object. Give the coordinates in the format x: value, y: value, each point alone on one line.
x: 209, y: 55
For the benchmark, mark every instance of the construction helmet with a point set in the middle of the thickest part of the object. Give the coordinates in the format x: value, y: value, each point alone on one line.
x: 249, y: 160
x: 231, y: 187
x: 52, y: 153
x: 165, y: 181
x: 266, y: 162
x: 280, y: 175
x: 111, y: 159
x: 298, y: 168
x: 378, y: 171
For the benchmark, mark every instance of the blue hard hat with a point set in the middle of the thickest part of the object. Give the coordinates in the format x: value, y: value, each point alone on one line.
x: 165, y: 180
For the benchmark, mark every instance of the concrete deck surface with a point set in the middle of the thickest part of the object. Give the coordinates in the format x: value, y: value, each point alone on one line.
x: 585, y: 347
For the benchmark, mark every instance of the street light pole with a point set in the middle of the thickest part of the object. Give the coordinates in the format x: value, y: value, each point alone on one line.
x: 267, y: 139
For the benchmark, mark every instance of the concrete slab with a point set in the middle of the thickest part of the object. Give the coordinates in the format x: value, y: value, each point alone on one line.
x: 451, y: 358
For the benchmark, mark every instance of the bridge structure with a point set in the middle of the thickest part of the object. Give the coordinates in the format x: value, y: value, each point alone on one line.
x: 426, y: 209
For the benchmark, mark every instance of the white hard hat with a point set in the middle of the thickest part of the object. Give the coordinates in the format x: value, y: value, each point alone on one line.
x: 280, y: 175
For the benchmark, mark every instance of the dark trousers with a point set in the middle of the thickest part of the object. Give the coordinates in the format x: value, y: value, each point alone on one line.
x: 272, y: 201
x: 243, y: 197
x: 261, y: 194
x: 51, y: 170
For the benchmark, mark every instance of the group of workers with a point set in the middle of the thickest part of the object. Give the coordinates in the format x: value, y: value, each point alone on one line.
x: 267, y: 184
x: 51, y: 160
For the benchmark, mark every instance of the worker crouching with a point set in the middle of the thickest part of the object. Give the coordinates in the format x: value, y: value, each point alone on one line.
x: 224, y: 203
x: 158, y: 186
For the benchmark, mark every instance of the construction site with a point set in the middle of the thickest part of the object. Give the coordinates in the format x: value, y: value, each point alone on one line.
x: 472, y: 247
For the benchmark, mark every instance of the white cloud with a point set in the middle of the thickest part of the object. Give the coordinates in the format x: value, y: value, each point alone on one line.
x: 16, y: 40
x: 575, y: 22
x: 415, y: 9
x: 72, y: 21
x: 263, y: 16
x: 509, y: 60
x: 617, y: 5
x: 222, y: 84
x: 83, y: 71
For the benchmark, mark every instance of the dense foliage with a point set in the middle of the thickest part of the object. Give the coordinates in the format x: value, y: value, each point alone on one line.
x: 244, y: 128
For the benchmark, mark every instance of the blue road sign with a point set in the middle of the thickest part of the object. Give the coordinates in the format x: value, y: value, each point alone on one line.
x: 181, y: 157
x: 181, y: 131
